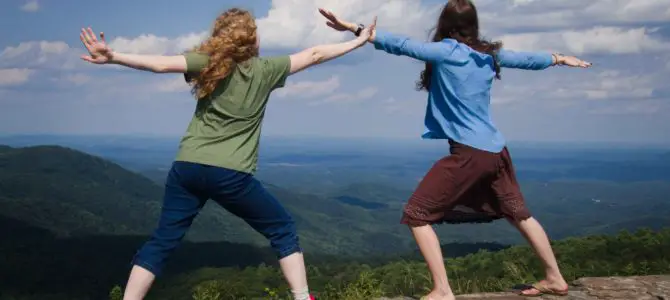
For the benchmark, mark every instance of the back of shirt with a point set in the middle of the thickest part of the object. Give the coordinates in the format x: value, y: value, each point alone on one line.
x: 226, y: 127
x: 459, y: 99
x: 459, y: 96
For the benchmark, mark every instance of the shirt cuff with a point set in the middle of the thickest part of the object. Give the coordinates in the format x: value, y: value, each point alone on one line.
x: 380, y: 38
x: 547, y: 59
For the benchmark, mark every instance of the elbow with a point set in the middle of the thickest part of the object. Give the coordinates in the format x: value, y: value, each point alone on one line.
x: 158, y: 69
x: 316, y: 56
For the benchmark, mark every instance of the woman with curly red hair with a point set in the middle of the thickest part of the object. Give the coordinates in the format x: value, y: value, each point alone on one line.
x: 218, y: 154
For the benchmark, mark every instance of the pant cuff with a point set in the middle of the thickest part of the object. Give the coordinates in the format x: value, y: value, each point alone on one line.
x: 147, y: 266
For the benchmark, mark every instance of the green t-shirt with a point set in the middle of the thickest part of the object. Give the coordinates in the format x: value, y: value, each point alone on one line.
x: 226, y: 127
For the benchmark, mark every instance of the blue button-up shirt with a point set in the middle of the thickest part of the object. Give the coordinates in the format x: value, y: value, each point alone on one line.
x: 459, y: 97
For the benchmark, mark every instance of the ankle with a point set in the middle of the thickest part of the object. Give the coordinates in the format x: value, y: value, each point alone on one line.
x: 444, y: 292
x: 301, y: 294
x: 555, y: 278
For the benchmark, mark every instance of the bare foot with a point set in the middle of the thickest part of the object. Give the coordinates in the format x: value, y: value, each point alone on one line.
x: 555, y: 287
x: 437, y: 295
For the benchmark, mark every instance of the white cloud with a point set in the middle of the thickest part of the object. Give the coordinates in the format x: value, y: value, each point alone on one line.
x: 13, y: 77
x: 175, y: 84
x: 307, y: 88
x: 297, y: 23
x: 596, y: 40
x: 77, y: 79
x: 33, y: 54
x: 504, y: 15
x: 152, y: 44
x: 31, y: 6
x: 363, y: 94
x: 645, y: 107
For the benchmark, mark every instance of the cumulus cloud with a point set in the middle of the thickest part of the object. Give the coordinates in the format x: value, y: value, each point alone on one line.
x: 152, y: 44
x: 13, y: 77
x: 31, y: 6
x: 595, y: 40
x: 175, y: 84
x: 341, y: 98
x: 39, y: 54
x: 408, y: 107
x: 645, y: 107
x: 74, y: 79
x: 521, y: 24
x: 513, y: 15
x: 297, y: 23
x: 309, y: 88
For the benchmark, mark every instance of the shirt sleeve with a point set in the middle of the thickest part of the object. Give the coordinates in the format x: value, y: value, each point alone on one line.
x: 424, y: 51
x: 195, y: 62
x: 276, y: 69
x: 524, y: 60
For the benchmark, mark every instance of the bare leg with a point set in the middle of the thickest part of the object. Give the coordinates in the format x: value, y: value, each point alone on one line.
x: 430, y: 249
x: 293, y: 267
x: 139, y: 282
x: 537, y: 238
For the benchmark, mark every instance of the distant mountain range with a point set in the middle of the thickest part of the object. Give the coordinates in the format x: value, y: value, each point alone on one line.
x: 74, y: 194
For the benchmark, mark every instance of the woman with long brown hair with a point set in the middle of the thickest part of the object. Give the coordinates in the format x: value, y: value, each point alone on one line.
x: 218, y: 154
x: 476, y: 182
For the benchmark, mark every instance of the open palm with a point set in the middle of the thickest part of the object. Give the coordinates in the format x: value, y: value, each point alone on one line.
x: 98, y: 50
x: 333, y: 21
x: 572, y: 61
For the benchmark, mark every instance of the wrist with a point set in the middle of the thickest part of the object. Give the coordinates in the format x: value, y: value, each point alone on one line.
x: 113, y: 58
x: 559, y: 59
x: 351, y: 27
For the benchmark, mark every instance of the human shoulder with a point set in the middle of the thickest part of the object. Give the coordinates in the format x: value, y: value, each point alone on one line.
x: 195, y: 61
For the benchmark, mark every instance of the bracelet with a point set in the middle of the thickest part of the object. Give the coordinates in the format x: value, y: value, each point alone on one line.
x: 359, y: 29
x: 556, y: 57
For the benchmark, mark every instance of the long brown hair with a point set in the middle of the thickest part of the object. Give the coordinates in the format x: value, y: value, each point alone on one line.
x: 233, y: 41
x: 459, y: 21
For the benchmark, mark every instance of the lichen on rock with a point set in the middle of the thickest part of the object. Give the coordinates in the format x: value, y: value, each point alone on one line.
x: 655, y: 287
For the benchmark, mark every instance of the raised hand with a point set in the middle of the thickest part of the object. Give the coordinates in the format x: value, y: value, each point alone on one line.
x: 336, y: 23
x: 572, y: 61
x: 368, y: 33
x: 98, y: 50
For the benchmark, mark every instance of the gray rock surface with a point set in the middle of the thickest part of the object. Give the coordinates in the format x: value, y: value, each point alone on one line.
x: 655, y: 287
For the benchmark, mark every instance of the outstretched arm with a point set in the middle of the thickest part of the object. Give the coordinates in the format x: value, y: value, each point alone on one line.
x: 424, y: 51
x: 100, y: 53
x: 152, y: 63
x: 395, y: 44
x: 320, y: 54
x: 536, y: 60
x: 323, y: 53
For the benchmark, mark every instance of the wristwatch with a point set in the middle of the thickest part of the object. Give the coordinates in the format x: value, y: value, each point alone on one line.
x: 359, y: 29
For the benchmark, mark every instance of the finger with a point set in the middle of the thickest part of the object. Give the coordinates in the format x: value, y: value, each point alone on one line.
x: 331, y: 24
x: 87, y: 58
x: 92, y: 35
x: 84, y: 37
x: 329, y: 14
x: 102, y: 37
x: 88, y: 36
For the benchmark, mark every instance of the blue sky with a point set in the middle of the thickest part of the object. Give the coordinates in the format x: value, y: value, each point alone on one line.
x: 45, y: 88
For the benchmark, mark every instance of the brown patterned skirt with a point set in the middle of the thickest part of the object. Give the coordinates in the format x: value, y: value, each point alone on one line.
x: 468, y: 186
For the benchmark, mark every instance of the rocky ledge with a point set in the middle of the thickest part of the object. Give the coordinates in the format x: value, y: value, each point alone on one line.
x: 597, y: 288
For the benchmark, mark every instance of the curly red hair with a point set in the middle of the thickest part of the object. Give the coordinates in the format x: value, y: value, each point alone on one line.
x: 233, y: 40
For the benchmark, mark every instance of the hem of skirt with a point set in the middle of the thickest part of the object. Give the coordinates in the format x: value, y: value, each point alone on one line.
x: 418, y: 223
